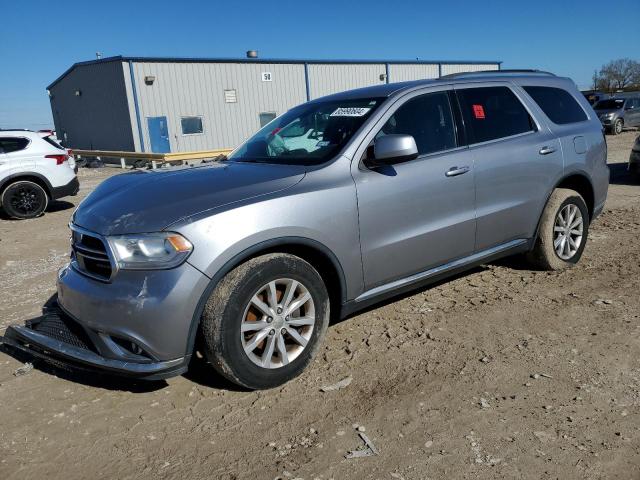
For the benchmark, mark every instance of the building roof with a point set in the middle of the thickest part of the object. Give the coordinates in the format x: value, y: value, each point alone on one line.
x: 120, y: 58
x: 389, y: 89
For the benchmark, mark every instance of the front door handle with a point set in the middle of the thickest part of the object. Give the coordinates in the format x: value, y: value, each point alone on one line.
x: 547, y: 150
x: 454, y: 171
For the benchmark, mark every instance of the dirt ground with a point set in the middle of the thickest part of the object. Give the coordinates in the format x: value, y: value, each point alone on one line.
x: 502, y: 372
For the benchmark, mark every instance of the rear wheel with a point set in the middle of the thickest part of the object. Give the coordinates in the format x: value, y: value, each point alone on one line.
x: 563, y: 231
x: 24, y: 199
x: 265, y: 320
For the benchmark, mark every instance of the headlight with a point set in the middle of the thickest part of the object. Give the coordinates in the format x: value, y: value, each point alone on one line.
x: 150, y: 250
x: 609, y: 115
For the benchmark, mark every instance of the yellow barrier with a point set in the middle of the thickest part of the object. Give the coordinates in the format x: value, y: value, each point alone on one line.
x: 155, y: 158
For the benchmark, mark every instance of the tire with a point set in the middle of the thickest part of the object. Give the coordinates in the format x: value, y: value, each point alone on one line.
x: 545, y: 254
x: 24, y: 199
x: 227, y: 322
x: 617, y: 127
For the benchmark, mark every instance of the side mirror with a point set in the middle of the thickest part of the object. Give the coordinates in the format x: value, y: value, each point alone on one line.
x: 390, y: 149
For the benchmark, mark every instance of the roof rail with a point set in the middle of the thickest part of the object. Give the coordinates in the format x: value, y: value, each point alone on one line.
x: 498, y: 72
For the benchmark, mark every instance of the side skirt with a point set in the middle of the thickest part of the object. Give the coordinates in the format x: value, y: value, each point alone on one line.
x: 403, y: 285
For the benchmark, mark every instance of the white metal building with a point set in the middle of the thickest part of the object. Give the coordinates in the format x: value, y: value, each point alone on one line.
x: 185, y: 104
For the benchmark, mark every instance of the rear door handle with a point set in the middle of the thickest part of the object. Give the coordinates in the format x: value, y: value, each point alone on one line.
x: 547, y: 150
x: 454, y: 171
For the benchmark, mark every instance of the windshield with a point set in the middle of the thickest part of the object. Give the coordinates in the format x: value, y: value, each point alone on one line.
x: 309, y: 134
x: 611, y: 104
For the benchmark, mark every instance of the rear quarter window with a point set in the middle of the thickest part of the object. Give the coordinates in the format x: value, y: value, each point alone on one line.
x: 52, y: 142
x: 557, y: 104
x: 13, y: 144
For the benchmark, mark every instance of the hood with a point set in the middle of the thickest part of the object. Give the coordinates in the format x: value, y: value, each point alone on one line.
x: 151, y: 200
x: 604, y: 111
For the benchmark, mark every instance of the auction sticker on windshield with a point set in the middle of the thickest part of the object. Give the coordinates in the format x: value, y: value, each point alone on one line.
x: 350, y: 112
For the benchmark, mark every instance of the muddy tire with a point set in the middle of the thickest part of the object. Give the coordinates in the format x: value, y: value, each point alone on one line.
x: 562, y: 233
x: 24, y: 199
x: 264, y: 322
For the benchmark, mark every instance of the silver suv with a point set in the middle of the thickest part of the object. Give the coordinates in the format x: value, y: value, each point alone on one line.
x: 618, y: 113
x: 335, y: 205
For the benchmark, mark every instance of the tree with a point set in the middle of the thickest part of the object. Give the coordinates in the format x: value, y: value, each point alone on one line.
x: 621, y: 74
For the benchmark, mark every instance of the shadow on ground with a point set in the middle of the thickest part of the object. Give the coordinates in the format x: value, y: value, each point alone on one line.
x: 59, y: 206
x: 88, y: 378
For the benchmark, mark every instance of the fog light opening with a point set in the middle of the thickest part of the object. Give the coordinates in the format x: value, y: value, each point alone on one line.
x: 130, y: 347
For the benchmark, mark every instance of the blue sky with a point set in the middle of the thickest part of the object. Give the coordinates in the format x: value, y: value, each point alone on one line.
x: 40, y: 39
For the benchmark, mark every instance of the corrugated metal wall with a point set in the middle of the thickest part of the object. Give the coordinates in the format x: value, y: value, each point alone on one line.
x: 449, y: 69
x: 97, y: 119
x: 325, y: 79
x: 104, y: 116
x: 197, y: 89
x: 406, y: 72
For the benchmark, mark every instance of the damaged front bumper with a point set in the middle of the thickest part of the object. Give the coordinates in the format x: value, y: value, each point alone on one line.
x: 56, y: 336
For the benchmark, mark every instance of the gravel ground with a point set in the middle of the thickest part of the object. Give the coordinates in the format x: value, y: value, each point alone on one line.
x: 502, y: 372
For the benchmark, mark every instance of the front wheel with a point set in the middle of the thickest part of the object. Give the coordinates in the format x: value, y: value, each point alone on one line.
x: 617, y: 127
x: 265, y: 320
x: 24, y: 199
x: 563, y: 231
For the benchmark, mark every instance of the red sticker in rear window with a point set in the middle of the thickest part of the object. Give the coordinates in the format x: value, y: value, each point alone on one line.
x: 478, y: 112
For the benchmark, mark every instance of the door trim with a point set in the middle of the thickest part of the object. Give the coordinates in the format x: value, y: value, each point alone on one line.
x: 442, y: 269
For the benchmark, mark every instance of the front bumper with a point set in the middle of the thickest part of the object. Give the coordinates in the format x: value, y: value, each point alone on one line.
x: 70, y: 189
x: 139, y: 324
x: 54, y: 336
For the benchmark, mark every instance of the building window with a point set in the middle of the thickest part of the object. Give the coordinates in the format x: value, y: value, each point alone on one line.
x: 266, y: 117
x: 191, y: 125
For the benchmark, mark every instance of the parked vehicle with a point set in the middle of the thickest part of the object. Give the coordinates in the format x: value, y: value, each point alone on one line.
x: 369, y: 194
x: 618, y: 113
x: 33, y: 171
x: 594, y: 97
x: 634, y: 159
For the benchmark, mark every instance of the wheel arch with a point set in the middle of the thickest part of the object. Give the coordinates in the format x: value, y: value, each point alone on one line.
x: 312, y: 251
x: 578, y: 182
x: 27, y: 176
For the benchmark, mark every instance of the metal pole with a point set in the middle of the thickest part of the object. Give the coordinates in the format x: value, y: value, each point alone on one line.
x: 306, y: 81
x: 135, y: 104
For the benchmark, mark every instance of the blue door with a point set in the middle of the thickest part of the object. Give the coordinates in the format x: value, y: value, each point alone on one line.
x: 159, y: 134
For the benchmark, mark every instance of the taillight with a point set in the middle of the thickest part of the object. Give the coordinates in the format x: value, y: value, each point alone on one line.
x: 60, y: 159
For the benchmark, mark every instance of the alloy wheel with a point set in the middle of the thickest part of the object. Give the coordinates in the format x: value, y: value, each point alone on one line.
x: 567, y: 231
x: 25, y: 199
x: 618, y: 127
x: 277, y: 323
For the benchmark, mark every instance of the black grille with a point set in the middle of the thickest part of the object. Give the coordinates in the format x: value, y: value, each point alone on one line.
x: 89, y: 255
x: 61, y: 328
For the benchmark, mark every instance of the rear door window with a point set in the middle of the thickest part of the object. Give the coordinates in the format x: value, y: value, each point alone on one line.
x: 428, y: 119
x: 13, y: 144
x: 557, y: 104
x: 491, y: 113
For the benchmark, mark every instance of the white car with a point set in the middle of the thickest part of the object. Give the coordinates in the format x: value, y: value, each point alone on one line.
x: 33, y: 171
